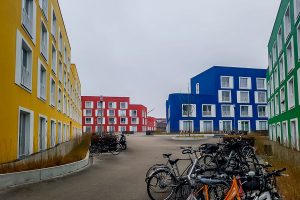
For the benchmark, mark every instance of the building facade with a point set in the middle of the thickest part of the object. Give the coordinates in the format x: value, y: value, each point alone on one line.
x: 112, y: 114
x: 40, y: 101
x: 283, y: 75
x: 221, y: 99
x: 151, y: 123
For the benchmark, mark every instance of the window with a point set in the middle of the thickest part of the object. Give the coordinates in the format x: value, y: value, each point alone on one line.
x: 111, y: 113
x: 291, y: 93
x: 276, y: 104
x: 52, y: 92
x: 246, y: 111
x: 122, y: 113
x: 60, y: 71
x: 44, y: 7
x: 188, y: 110
x: 52, y: 133
x: 244, y: 125
x: 89, y: 104
x: 23, y: 63
x: 54, y: 57
x: 100, y: 120
x: 270, y: 64
x: 59, y: 133
x: 123, y: 120
x: 122, y: 128
x: 261, y: 125
x: 197, y: 88
x: 134, y: 120
x: 281, y: 69
x: 208, y: 110
x: 298, y: 73
x: 298, y: 39
x: 28, y: 17
x: 186, y: 126
x: 111, y: 104
x: 59, y: 105
x: 54, y: 24
x: 226, y: 111
x: 287, y: 23
x: 225, y: 125
x: 42, y: 75
x: 271, y: 84
x: 276, y: 78
x: 44, y: 41
x: 262, y: 111
x: 65, y: 104
x: 133, y: 113
x: 99, y: 112
x: 294, y: 134
x: 123, y: 105
x: 88, y: 129
x: 290, y: 56
x: 285, y: 133
x: 297, y: 8
x: 65, y: 54
x: 245, y: 83
x: 260, y: 97
x: 100, y: 104
x: 60, y: 42
x: 65, y: 79
x: 279, y: 40
x: 243, y: 96
x: 272, y: 107
x: 111, y: 120
x: 42, y: 133
x: 88, y: 112
x: 206, y: 126
x: 88, y: 120
x: 274, y: 53
x: 226, y: 82
x: 225, y: 96
x: 261, y: 84
x: 25, y: 132
x: 282, y: 100
x: 110, y: 129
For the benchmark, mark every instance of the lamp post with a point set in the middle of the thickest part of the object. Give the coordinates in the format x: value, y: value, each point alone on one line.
x: 101, y: 114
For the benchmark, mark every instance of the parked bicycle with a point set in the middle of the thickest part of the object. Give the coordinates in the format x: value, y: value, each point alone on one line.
x: 105, y: 143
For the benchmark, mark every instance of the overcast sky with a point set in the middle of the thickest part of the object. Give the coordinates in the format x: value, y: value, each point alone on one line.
x: 147, y: 49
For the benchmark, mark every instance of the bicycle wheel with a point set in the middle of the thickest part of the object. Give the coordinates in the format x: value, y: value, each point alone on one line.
x: 161, y: 185
x: 208, y: 161
x: 154, y: 168
x: 183, y: 191
x: 218, y: 191
x: 116, y: 150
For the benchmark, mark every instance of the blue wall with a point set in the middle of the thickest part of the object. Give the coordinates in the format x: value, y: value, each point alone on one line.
x: 210, y: 83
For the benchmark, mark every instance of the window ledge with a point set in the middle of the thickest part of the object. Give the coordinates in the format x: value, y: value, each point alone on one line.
x: 29, y: 90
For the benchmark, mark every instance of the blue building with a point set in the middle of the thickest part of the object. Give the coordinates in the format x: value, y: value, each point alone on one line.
x: 221, y: 99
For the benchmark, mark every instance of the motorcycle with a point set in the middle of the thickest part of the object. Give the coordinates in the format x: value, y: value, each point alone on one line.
x: 123, y: 142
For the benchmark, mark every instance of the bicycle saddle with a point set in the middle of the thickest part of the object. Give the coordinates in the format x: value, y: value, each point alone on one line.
x: 167, y: 155
x: 208, y: 181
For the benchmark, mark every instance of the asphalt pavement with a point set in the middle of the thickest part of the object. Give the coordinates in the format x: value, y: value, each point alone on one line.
x: 111, y: 177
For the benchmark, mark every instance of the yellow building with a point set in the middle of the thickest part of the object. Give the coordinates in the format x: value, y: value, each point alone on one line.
x: 40, y: 103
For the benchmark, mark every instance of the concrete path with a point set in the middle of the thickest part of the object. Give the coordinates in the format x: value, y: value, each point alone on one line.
x: 110, y: 177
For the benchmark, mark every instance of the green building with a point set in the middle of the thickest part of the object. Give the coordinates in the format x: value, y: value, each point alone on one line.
x: 283, y: 75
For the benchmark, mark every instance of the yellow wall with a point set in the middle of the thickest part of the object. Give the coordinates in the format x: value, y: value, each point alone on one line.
x: 12, y: 96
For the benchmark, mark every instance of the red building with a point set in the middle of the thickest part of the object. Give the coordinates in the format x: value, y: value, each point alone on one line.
x: 112, y: 114
x: 151, y: 124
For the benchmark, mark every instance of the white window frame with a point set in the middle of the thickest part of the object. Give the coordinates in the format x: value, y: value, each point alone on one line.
x: 266, y: 111
x: 279, y: 40
x: 54, y: 29
x: 274, y: 53
x: 296, y: 134
x: 124, y: 107
x: 114, y: 120
x: 291, y: 100
x: 133, y: 115
x: 86, y: 104
x: 286, y: 25
x: 126, y: 120
x: 44, y: 5
x: 52, y: 134
x: 85, y: 120
x: 113, y: 105
x: 29, y: 25
x: 29, y: 147
x: 231, y: 110
x: 281, y: 69
x: 248, y: 83
x: 54, y: 59
x: 122, y: 113
x: 282, y: 100
x: 44, y: 49
x: 257, y: 100
x: 99, y: 104
x: 18, y: 75
x: 239, y: 100
x: 181, y: 127
x: 202, y: 126
x: 250, y: 112
x: 193, y: 110
x: 221, y: 123
x: 136, y: 120
x: 59, y: 132
x: 290, y: 63
x: 240, y: 124
x: 230, y: 84
x: 86, y: 114
x: 52, y: 96
x: 276, y: 80
x: 265, y: 85
x: 197, y: 88
x: 212, y: 112
x: 42, y: 136
x: 59, y: 99
x: 220, y: 92
x: 296, y: 9
x: 109, y: 114
x: 39, y: 91
x: 258, y: 128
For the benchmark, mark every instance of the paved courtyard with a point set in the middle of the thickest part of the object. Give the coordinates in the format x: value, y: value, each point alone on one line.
x: 110, y: 177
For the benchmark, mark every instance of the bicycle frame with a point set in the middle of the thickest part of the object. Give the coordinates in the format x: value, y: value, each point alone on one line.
x: 233, y: 191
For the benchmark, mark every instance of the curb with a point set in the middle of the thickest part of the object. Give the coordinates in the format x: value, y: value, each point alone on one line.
x: 38, y: 175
